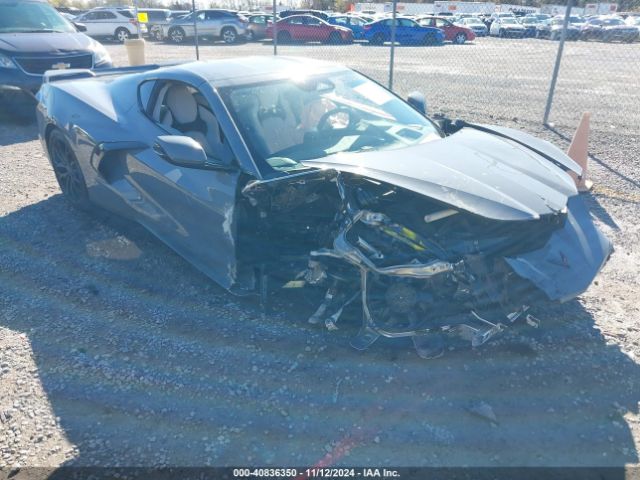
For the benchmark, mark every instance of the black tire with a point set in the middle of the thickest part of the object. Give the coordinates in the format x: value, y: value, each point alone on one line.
x: 284, y: 37
x: 67, y: 170
x: 121, y: 34
x: 177, y: 35
x: 460, y: 38
x: 229, y: 35
x: 334, y: 38
x: 377, y: 39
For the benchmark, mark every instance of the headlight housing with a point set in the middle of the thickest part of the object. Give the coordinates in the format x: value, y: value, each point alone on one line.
x: 6, y: 62
x: 100, y: 55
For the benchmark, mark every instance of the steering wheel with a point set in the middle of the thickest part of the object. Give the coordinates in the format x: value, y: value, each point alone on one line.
x: 324, y: 119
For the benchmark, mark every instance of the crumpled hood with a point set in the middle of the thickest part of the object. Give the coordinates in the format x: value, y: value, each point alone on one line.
x: 471, y: 170
x: 48, y: 43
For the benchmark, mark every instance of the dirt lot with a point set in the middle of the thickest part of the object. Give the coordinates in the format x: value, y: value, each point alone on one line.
x: 114, y: 351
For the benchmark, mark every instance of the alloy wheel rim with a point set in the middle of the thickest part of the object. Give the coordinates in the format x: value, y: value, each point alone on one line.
x: 66, y: 170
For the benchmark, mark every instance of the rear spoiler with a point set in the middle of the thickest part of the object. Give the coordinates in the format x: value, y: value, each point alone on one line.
x: 51, y: 76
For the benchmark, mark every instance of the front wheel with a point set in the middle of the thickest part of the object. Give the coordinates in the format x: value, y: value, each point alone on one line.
x: 67, y: 170
x: 229, y: 35
x: 121, y: 34
x: 177, y: 35
x: 460, y: 38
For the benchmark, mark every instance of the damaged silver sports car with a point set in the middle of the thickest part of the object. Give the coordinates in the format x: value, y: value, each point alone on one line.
x: 274, y: 172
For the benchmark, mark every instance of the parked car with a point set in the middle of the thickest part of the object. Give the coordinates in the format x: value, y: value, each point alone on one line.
x: 257, y: 28
x: 155, y: 18
x: 452, y: 32
x: 35, y: 38
x: 262, y: 179
x: 530, y: 24
x: 155, y: 31
x: 506, y: 26
x: 117, y: 23
x: 552, y: 29
x: 408, y: 32
x: 227, y: 25
x: 316, y: 13
x: 475, y: 24
x: 609, y: 29
x: 309, y: 28
x: 353, y: 23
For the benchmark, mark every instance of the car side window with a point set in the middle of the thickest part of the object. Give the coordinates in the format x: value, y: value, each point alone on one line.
x: 404, y: 22
x: 312, y: 21
x: 183, y: 110
x: 340, y: 20
x: 356, y: 21
x: 106, y: 16
x: 296, y: 20
x: 259, y: 19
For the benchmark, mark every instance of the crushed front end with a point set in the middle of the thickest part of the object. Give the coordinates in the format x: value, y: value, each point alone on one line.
x: 420, y: 268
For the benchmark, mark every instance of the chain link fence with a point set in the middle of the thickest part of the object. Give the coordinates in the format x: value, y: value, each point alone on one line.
x: 505, y: 74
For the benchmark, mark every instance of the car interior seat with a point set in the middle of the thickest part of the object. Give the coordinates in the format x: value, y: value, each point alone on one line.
x: 179, y: 111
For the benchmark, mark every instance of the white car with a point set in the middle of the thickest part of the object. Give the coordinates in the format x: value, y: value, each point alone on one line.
x: 117, y: 23
x: 507, y: 27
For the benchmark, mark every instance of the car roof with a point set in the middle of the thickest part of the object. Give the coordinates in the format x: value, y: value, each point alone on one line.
x: 245, y: 70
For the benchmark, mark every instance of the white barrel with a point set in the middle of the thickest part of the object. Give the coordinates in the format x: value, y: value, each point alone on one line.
x: 135, y: 51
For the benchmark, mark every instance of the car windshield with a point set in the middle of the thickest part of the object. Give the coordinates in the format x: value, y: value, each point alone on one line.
x: 287, y: 121
x: 31, y: 17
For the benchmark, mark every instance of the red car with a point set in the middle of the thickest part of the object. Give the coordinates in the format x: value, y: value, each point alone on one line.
x: 452, y: 32
x: 307, y: 28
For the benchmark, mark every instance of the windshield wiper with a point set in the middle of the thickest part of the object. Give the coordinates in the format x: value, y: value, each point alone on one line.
x: 39, y: 30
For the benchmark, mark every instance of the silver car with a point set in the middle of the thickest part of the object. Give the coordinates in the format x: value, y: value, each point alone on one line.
x: 226, y: 25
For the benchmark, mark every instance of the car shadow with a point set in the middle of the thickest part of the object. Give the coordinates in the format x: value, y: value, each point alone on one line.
x: 147, y: 362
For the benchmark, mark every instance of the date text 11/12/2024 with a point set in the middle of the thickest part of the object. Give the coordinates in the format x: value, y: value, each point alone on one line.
x: 315, y: 473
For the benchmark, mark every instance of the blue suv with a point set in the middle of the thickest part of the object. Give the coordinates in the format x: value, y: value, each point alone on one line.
x: 408, y: 32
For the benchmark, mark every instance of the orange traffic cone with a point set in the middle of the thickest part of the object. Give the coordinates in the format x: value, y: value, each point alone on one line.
x: 579, y: 152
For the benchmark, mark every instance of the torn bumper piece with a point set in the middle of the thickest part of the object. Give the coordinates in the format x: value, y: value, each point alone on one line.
x: 568, y: 263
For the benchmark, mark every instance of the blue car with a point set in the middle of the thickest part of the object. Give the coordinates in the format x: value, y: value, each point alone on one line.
x: 353, y: 23
x: 408, y: 32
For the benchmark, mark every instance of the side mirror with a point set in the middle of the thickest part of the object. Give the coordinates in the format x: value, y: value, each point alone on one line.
x: 418, y: 101
x: 181, y: 151
x: 80, y: 27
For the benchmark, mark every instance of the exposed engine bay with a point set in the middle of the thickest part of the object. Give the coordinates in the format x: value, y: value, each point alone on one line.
x: 417, y: 266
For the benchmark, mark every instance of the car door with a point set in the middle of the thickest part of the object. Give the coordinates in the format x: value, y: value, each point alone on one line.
x: 295, y: 26
x: 315, y: 30
x: 190, y: 209
x: 108, y: 23
x: 90, y: 20
x: 447, y: 27
x: 212, y: 23
x: 409, y: 31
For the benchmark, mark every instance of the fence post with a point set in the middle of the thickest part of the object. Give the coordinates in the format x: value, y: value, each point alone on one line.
x: 274, y: 29
x: 393, y: 43
x: 195, y: 28
x: 556, y: 68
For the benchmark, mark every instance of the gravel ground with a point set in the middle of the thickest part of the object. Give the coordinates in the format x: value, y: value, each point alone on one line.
x: 116, y: 352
